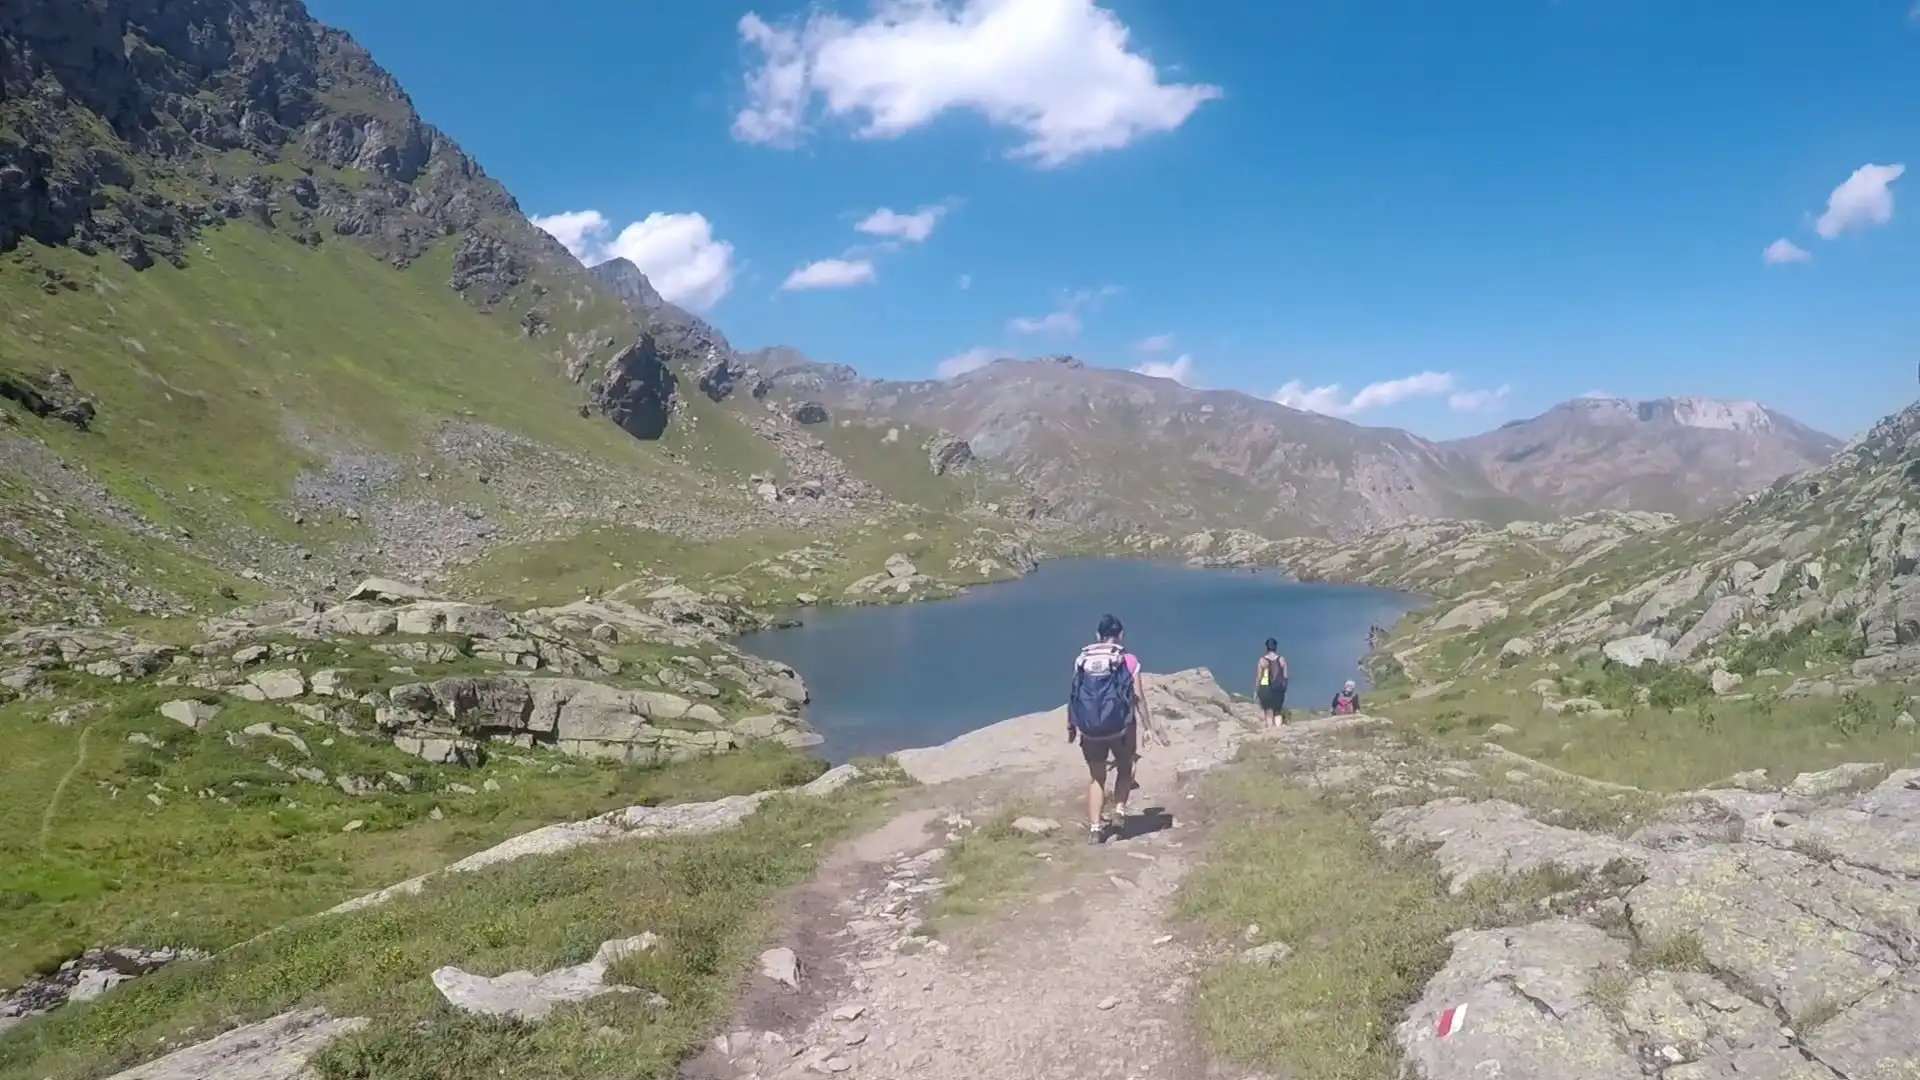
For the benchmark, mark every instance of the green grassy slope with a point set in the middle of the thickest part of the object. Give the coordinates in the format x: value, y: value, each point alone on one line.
x: 212, y: 378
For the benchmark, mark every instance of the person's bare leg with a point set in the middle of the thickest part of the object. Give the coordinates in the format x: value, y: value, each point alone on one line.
x: 1126, y: 760
x: 1096, y: 797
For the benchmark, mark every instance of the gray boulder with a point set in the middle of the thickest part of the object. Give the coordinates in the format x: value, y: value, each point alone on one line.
x: 387, y: 591
x: 1471, y: 615
x: 1721, y: 615
x: 193, y: 714
x: 947, y: 453
x: 1632, y: 652
x: 527, y: 997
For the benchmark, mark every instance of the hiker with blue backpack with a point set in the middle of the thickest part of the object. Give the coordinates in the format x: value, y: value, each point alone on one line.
x: 1106, y: 711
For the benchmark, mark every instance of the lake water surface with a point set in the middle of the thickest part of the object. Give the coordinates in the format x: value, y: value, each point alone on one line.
x: 887, y: 678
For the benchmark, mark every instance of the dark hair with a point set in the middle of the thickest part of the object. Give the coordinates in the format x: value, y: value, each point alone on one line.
x: 1272, y: 645
x: 1109, y: 627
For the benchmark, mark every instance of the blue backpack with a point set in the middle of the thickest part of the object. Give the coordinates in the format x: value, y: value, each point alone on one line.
x: 1100, y: 705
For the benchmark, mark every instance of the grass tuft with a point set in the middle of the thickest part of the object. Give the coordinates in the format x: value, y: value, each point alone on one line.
x: 1368, y: 927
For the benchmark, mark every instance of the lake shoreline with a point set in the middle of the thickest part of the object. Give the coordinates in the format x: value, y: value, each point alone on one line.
x: 1180, y: 615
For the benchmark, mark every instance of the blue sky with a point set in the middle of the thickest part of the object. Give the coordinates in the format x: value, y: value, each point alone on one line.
x: 1456, y: 213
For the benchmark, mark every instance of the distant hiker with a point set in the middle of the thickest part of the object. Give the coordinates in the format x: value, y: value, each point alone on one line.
x: 1106, y: 710
x: 1270, y: 684
x: 1347, y: 700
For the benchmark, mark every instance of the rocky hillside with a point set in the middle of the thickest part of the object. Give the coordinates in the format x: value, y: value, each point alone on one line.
x: 1683, y: 456
x: 1133, y: 452
x: 1799, y: 590
x: 269, y: 331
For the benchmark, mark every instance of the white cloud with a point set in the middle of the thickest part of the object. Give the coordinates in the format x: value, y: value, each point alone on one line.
x: 1179, y: 369
x: 966, y: 281
x: 1063, y: 321
x: 913, y: 228
x: 677, y: 252
x: 1598, y: 395
x: 1329, y: 401
x: 1865, y: 198
x: 1478, y: 400
x: 1059, y: 72
x: 1783, y: 251
x: 577, y: 230
x: 972, y: 360
x: 1154, y: 344
x: 829, y: 274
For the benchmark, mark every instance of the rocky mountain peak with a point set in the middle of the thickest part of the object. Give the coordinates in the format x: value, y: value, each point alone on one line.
x: 1712, y: 414
x: 1680, y: 455
x: 129, y: 126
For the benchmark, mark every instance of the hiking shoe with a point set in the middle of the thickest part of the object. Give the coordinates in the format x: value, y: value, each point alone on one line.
x: 1097, y: 834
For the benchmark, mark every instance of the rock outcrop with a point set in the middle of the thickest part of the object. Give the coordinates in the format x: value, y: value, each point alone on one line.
x: 558, y: 679
x: 51, y: 397
x: 1803, y: 908
x: 585, y: 719
x: 84, y: 978
x: 275, y: 1049
x: 947, y: 453
x: 636, y: 390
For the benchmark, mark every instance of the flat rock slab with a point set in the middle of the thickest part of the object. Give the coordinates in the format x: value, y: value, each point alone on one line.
x: 276, y: 1049
x: 1876, y: 1038
x: 523, y: 995
x: 1496, y: 838
x: 1522, y: 1003
x: 1524, y: 992
x: 1878, y: 829
x: 1809, y: 934
x: 632, y: 823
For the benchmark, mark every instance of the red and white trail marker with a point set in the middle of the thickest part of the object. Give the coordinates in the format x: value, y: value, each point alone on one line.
x: 1451, y: 1021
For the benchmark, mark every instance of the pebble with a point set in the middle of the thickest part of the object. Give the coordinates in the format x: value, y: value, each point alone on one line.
x: 1108, y: 1004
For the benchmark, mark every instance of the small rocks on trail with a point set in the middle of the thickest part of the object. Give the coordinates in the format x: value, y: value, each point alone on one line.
x: 1033, y: 826
x: 781, y: 966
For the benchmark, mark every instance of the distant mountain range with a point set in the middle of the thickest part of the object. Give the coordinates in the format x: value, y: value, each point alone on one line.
x: 1684, y: 455
x: 138, y: 132
x: 1115, y: 447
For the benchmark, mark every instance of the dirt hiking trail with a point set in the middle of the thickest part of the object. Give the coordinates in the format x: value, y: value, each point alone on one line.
x: 1076, y: 979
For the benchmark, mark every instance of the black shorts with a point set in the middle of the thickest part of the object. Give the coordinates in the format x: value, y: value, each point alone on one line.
x: 1120, y: 750
x: 1273, y: 697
